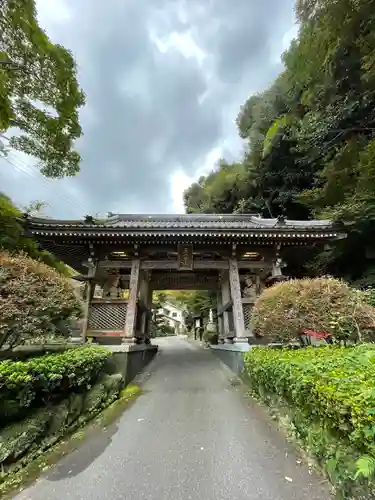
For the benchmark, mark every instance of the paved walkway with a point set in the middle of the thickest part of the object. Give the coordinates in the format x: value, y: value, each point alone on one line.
x: 192, y: 435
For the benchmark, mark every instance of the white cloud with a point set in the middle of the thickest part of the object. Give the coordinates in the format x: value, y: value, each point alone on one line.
x: 53, y: 12
x: 277, y: 49
x: 179, y: 182
x: 183, y: 43
x: 164, y: 82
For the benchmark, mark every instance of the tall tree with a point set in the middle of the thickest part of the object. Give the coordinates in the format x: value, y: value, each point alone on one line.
x: 311, y: 136
x: 39, y: 92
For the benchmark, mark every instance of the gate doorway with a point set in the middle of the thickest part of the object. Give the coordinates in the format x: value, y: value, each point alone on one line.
x: 124, y: 258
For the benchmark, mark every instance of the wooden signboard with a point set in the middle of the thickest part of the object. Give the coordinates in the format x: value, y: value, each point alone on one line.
x: 185, y: 257
x: 180, y: 281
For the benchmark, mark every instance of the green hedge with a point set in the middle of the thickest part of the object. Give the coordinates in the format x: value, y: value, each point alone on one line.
x: 39, y: 380
x: 330, y: 396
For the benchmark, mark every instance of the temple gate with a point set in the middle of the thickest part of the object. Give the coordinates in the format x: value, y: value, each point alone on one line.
x: 233, y: 255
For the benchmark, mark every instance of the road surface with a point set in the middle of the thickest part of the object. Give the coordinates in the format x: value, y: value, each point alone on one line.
x: 192, y: 435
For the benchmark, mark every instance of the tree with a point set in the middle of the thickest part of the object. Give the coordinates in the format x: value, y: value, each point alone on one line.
x: 196, y: 301
x: 219, y: 192
x: 310, y: 137
x: 12, y: 236
x: 160, y: 327
x: 39, y: 92
x: 35, y: 208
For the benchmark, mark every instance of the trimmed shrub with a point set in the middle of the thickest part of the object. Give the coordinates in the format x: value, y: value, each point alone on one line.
x: 36, y: 302
x: 46, y: 378
x: 325, y: 305
x: 329, y: 393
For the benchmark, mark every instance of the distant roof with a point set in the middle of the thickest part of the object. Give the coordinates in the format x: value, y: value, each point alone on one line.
x: 175, y: 306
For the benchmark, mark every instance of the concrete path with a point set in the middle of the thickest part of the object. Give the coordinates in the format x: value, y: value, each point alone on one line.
x: 192, y: 435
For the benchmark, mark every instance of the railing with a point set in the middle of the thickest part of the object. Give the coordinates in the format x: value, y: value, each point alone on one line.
x: 107, y: 317
x: 247, y: 306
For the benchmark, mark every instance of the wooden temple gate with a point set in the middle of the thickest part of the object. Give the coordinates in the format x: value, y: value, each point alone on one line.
x: 233, y: 255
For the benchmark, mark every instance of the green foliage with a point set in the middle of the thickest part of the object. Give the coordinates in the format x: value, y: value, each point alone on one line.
x: 365, y: 466
x: 310, y: 137
x: 159, y: 326
x: 39, y: 380
x: 39, y: 92
x: 328, y: 393
x: 274, y: 132
x: 323, y: 305
x: 36, y: 302
x: 368, y: 296
x: 196, y: 302
x: 12, y: 236
x: 219, y: 192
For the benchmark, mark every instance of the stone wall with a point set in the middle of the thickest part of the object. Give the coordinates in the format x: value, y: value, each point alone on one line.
x: 22, y: 441
x: 129, y: 360
x: 232, y: 355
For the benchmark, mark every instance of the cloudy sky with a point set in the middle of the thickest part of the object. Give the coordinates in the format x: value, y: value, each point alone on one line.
x: 164, y: 81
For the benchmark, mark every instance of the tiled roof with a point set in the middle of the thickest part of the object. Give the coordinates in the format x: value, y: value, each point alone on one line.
x: 188, y: 222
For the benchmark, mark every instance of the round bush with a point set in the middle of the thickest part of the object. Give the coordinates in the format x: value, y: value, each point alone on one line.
x: 324, y: 305
x: 36, y: 302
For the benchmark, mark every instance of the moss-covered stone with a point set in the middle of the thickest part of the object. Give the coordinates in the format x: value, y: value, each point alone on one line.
x: 75, y: 403
x: 94, y: 397
x: 28, y: 440
x: 113, y: 383
x: 59, y: 418
x: 16, y: 439
x: 24, y: 471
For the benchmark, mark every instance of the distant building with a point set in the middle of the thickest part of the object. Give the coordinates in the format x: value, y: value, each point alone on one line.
x: 174, y: 316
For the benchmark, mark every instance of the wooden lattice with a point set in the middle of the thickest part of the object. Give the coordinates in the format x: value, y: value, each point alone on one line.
x: 247, y: 311
x: 107, y: 316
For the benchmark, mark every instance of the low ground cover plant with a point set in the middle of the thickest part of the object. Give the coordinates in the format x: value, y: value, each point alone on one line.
x: 329, y: 395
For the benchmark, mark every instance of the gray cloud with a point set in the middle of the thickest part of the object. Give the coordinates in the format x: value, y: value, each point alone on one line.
x: 150, y: 113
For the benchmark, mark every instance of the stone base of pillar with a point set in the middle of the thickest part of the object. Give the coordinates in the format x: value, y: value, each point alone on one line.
x: 130, y: 340
x: 240, y: 340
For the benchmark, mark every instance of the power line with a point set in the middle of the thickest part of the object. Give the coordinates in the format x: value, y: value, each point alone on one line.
x: 32, y: 172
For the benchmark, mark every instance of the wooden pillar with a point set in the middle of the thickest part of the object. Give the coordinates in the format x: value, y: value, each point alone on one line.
x: 235, y: 288
x: 143, y: 299
x: 225, y: 297
x: 88, y: 297
x: 149, y: 315
x: 129, y: 330
x: 220, y: 319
